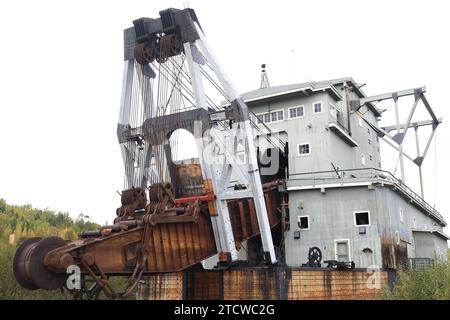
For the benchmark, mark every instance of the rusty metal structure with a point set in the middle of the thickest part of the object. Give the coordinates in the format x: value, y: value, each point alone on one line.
x: 174, y: 214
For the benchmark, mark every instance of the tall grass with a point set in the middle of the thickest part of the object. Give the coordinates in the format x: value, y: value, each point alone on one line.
x: 430, y: 284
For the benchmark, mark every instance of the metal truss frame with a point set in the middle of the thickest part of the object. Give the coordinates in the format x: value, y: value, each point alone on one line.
x: 197, y: 52
x: 398, y: 139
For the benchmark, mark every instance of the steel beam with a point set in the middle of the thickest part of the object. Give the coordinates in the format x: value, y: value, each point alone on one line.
x: 383, y: 137
x: 413, y: 124
x: 420, y: 166
x: 429, y: 142
x: 386, y: 96
x: 401, y: 136
x: 430, y: 110
x: 125, y: 100
x: 197, y: 86
x: 255, y: 179
x: 223, y: 233
x: 126, y: 147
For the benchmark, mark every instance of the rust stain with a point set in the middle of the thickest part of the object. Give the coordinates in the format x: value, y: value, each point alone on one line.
x: 260, y: 283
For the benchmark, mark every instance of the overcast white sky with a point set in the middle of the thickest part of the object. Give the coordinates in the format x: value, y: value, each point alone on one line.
x: 61, y: 72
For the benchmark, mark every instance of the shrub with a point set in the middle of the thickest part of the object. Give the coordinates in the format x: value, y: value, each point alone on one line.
x: 430, y: 284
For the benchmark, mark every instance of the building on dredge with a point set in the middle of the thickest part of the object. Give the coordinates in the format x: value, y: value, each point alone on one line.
x: 340, y: 200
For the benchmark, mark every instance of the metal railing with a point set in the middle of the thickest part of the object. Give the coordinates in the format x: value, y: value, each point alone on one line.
x: 360, y: 175
x: 420, y: 264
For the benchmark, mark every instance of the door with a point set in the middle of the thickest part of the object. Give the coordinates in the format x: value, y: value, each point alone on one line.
x: 342, y: 250
x: 366, y: 258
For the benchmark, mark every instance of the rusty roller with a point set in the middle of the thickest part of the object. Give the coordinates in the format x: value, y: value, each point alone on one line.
x: 170, y: 45
x: 159, y: 191
x: 143, y: 53
x: 30, y: 269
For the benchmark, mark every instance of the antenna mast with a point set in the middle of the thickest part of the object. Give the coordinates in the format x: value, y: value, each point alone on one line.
x: 264, y: 78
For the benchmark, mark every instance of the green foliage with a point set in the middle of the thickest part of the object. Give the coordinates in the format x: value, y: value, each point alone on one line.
x: 429, y: 284
x: 20, y: 222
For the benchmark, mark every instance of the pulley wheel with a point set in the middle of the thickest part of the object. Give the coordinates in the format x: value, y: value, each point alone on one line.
x: 21, y: 263
x: 143, y: 53
x: 41, y: 276
x: 127, y: 197
x: 314, y: 255
x: 175, y: 45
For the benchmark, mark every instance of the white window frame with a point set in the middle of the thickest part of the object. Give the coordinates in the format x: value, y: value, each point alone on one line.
x: 276, y: 111
x: 269, y: 112
x: 402, y: 215
x: 295, y: 107
x: 361, y: 225
x: 256, y: 118
x: 314, y: 109
x: 348, y: 247
x: 309, y: 222
x: 303, y: 154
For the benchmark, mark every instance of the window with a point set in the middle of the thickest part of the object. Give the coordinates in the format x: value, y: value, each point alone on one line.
x: 342, y: 250
x: 360, y: 121
x: 370, y: 157
x: 362, y: 218
x: 303, y: 222
x: 370, y: 141
x: 414, y: 223
x: 402, y: 218
x: 317, y: 107
x: 276, y: 116
x: 332, y: 110
x: 296, y: 112
x: 379, y: 164
x: 363, y: 160
x: 368, y: 130
x: 304, y: 149
x: 270, y: 117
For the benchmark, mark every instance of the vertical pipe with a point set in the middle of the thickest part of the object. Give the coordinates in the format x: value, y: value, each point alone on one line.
x: 400, y: 150
x: 347, y: 106
x: 420, y: 165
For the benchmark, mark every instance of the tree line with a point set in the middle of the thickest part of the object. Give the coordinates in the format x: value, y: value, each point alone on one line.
x: 20, y: 222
